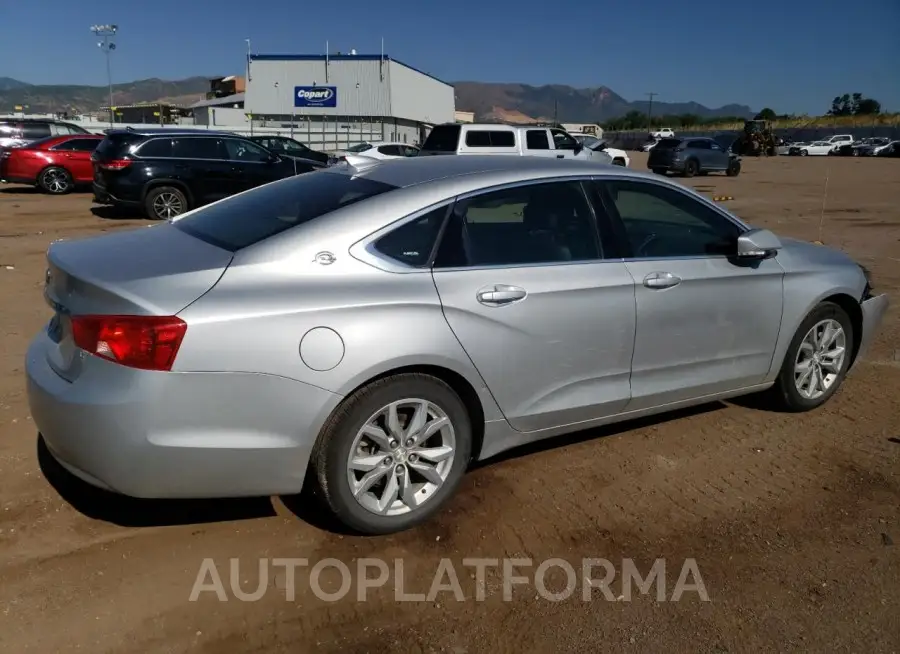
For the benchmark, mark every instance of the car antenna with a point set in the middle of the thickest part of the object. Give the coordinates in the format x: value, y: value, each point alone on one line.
x: 824, y: 199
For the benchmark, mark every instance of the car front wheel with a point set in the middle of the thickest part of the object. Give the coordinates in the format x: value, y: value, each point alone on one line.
x: 393, y: 453
x: 816, y: 361
x: 56, y: 181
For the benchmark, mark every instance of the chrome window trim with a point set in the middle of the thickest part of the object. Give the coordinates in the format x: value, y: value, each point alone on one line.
x: 364, y: 249
x: 137, y: 151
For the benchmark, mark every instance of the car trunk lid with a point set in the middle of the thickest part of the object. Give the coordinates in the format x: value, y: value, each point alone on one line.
x: 153, y: 271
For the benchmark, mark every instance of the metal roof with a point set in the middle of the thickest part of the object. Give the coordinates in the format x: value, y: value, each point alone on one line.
x: 341, y: 57
x: 234, y: 98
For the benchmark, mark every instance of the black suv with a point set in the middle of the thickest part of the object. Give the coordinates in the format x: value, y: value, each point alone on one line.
x: 692, y: 156
x: 168, y: 171
x: 290, y: 147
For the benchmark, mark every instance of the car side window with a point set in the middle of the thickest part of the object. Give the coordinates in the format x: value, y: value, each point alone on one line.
x: 411, y: 244
x: 65, y: 145
x: 562, y: 140
x: 245, y: 151
x: 156, y: 148
x: 390, y: 150
x: 534, y: 224
x: 199, y: 148
x: 34, y: 131
x: 78, y: 145
x: 699, y: 145
x: 536, y: 139
x: 661, y: 222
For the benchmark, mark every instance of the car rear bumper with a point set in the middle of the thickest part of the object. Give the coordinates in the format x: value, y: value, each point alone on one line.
x: 103, y: 196
x: 873, y: 310
x: 174, y: 434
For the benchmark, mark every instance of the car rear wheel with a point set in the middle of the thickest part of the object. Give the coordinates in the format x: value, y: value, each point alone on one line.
x: 816, y: 361
x: 691, y: 168
x: 804, y: 153
x: 165, y: 203
x: 734, y: 168
x: 56, y: 181
x: 393, y: 453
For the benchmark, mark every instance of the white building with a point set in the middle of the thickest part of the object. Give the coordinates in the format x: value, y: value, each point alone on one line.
x: 337, y: 100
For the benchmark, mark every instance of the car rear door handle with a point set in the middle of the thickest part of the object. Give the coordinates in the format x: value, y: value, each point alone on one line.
x: 500, y: 294
x: 560, y: 156
x: 659, y: 280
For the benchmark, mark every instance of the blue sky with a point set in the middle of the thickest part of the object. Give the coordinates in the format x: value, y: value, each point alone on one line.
x: 702, y: 50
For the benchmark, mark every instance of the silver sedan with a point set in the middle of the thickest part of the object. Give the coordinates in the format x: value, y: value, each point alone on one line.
x: 379, y: 326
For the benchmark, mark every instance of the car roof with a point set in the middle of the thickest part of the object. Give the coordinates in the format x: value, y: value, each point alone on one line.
x: 161, y: 131
x: 411, y: 171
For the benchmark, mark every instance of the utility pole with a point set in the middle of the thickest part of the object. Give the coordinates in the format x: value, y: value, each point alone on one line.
x: 107, y: 32
x: 650, y: 110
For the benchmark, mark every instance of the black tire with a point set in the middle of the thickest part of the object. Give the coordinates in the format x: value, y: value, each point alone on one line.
x: 165, y: 202
x: 784, y: 395
x: 619, y: 162
x: 804, y: 153
x: 734, y: 168
x: 660, y: 171
x: 691, y: 168
x: 332, y: 450
x: 56, y: 181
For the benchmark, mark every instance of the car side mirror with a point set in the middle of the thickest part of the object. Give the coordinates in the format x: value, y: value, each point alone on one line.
x: 273, y: 158
x: 757, y: 244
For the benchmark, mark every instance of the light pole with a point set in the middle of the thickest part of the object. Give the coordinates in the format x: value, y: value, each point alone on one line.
x: 107, y: 32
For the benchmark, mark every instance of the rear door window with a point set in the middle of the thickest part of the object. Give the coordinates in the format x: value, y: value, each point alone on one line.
x: 668, y: 144
x: 118, y: 145
x: 242, y: 220
x: 443, y: 138
x: 698, y: 145
x: 34, y: 131
x: 484, y: 138
x: 198, y: 148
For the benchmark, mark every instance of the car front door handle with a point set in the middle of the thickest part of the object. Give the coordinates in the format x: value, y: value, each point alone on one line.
x: 660, y: 280
x: 500, y: 294
x: 560, y: 156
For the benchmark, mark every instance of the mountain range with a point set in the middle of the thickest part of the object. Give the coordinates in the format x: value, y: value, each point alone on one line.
x: 489, y: 101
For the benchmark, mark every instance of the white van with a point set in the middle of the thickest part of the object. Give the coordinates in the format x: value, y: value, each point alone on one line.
x: 521, y: 140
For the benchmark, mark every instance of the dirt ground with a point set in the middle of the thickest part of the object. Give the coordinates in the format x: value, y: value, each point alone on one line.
x: 793, y: 521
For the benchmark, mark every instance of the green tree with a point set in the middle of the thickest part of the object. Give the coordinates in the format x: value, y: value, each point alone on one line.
x: 765, y: 114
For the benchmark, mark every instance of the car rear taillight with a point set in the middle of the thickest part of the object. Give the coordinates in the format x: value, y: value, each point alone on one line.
x: 115, y: 164
x: 144, y: 342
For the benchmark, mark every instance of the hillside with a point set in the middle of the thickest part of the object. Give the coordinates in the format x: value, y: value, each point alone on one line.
x: 489, y: 101
x: 494, y: 101
x: 79, y: 99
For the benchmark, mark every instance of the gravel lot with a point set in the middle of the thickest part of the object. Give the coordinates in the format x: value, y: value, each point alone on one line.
x: 794, y: 521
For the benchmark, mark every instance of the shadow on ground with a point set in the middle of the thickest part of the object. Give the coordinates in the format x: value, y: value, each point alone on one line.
x: 130, y: 512
x: 307, y: 506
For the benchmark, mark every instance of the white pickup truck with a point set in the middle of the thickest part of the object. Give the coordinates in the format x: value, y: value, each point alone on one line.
x: 484, y: 138
x: 838, y: 140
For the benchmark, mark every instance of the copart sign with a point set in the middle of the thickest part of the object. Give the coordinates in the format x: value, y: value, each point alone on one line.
x: 315, y: 96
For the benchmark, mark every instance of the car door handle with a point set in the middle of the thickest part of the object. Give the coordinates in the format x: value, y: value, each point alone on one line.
x: 661, y: 280
x: 560, y: 156
x: 500, y: 294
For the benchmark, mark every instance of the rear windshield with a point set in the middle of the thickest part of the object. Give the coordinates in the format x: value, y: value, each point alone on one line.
x: 117, y: 145
x: 248, y: 218
x: 668, y: 144
x: 443, y: 138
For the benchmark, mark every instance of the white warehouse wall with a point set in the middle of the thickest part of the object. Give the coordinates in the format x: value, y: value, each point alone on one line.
x: 417, y: 96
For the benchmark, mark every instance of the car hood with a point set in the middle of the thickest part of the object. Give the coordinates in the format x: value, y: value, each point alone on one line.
x: 803, y: 255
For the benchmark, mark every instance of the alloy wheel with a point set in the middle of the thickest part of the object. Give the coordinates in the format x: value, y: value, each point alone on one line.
x: 167, y: 205
x: 820, y: 359
x: 401, y: 457
x: 56, y: 181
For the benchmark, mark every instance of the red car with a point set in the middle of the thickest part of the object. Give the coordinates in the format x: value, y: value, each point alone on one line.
x: 56, y: 164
